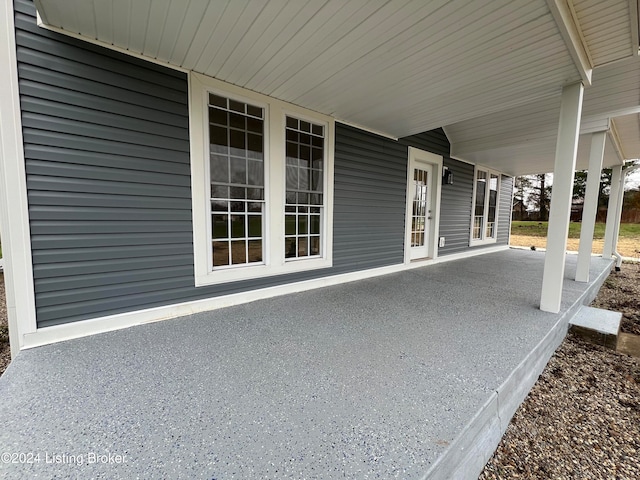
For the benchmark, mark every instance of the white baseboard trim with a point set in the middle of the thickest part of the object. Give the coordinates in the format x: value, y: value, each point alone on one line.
x: 82, y: 328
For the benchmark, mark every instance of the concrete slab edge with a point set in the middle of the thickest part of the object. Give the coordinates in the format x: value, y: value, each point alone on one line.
x: 473, y: 447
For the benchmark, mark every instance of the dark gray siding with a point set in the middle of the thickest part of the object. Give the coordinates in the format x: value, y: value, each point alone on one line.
x: 369, y: 200
x: 107, y: 159
x: 455, y: 208
x: 504, y: 210
x: 434, y: 141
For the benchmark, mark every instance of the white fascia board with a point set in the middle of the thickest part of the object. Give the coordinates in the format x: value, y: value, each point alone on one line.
x: 83, y: 328
x: 14, y: 212
x: 567, y: 23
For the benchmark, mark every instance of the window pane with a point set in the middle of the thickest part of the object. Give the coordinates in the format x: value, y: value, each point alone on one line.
x: 218, y: 116
x: 290, y: 247
x: 218, y: 135
x: 220, y: 254
x: 238, y: 170
x: 315, y: 246
x: 217, y: 101
x: 238, y: 252
x: 219, y: 191
x: 219, y: 226
x: 237, y: 121
x: 255, y: 111
x: 255, y: 226
x: 302, y: 224
x: 236, y: 136
x: 304, y: 185
x: 236, y: 106
x: 237, y: 226
x: 314, y: 227
x: 303, y: 247
x: 255, y: 251
x: 290, y: 225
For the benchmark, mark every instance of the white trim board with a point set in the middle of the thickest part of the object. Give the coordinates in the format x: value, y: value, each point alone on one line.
x: 14, y: 213
x: 83, y: 328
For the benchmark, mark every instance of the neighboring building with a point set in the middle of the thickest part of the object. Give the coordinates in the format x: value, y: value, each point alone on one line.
x: 145, y: 188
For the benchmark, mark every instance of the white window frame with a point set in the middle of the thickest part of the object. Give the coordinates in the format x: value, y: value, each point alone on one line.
x: 484, y: 240
x: 275, y: 112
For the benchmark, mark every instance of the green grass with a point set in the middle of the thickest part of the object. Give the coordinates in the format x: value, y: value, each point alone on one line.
x: 539, y: 229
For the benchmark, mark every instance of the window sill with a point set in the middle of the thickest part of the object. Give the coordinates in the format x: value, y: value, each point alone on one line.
x: 255, y: 272
x: 476, y: 243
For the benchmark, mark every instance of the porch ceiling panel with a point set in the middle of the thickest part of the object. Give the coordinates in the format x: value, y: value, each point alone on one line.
x: 397, y: 66
x: 490, y: 72
x: 522, y: 139
x: 628, y: 128
x: 606, y: 28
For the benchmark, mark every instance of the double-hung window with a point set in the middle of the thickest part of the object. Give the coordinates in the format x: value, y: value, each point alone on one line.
x: 262, y: 184
x: 484, y: 224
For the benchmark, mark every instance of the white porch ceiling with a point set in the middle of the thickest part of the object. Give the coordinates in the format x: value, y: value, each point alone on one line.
x: 484, y: 70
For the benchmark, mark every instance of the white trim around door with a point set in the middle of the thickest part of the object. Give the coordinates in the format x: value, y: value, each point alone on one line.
x: 422, y: 166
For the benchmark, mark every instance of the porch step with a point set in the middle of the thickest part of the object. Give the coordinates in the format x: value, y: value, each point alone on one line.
x: 599, y: 326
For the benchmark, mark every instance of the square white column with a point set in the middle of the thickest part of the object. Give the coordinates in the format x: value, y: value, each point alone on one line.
x: 613, y: 213
x: 590, y: 206
x: 560, y: 211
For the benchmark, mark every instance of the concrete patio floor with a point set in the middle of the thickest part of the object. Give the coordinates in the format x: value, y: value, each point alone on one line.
x: 409, y: 375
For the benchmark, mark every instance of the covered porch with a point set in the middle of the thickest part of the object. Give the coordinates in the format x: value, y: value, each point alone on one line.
x: 410, y: 375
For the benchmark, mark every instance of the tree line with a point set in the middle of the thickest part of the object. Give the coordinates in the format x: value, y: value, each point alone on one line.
x: 532, y: 197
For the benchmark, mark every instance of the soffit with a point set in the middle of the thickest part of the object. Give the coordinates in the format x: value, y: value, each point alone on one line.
x: 606, y: 28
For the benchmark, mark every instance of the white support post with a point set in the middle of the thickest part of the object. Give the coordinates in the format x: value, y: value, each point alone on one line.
x: 613, y: 213
x: 560, y: 211
x: 590, y: 206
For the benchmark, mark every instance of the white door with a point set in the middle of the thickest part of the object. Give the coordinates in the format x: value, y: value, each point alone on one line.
x: 421, y: 215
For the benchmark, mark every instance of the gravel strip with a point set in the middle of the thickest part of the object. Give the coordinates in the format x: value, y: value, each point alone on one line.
x: 621, y: 293
x: 582, y: 418
x: 5, y: 352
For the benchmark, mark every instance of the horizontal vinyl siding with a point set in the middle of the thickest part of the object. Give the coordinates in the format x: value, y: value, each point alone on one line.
x: 504, y: 209
x: 455, y: 208
x: 107, y: 158
x: 369, y: 208
x: 434, y: 141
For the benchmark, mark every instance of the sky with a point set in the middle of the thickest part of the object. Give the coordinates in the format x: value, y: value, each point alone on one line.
x: 633, y: 180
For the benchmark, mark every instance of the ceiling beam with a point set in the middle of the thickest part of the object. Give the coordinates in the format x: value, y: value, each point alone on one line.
x: 565, y: 18
x: 634, y: 19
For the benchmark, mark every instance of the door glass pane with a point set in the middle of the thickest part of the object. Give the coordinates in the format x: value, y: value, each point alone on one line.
x: 418, y: 220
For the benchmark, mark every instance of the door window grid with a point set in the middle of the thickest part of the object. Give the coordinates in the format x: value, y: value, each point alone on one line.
x: 236, y: 138
x: 418, y: 218
x: 304, y: 202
